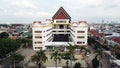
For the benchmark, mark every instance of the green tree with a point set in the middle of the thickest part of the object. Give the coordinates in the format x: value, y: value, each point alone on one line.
x: 72, y: 52
x: 15, y: 58
x: 24, y: 42
x: 56, y: 56
x: 7, y: 46
x: 99, y: 52
x: 77, y: 65
x: 39, y: 58
x: 116, y: 50
x: 4, y: 35
x: 95, y: 62
x: 66, y: 56
x: 91, y: 40
x: 19, y: 40
x: 83, y: 48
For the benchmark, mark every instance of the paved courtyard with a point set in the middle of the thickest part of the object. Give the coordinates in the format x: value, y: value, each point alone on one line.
x: 50, y: 63
x: 28, y: 52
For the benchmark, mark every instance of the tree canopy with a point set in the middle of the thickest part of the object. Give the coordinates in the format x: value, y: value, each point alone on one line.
x: 7, y: 46
x: 116, y: 49
x: 4, y: 35
x: 77, y: 65
x: 39, y: 58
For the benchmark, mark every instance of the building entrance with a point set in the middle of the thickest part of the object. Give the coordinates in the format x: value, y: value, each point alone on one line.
x: 61, y: 38
x: 61, y: 26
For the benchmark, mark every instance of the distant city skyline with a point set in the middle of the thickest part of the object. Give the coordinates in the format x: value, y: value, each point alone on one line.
x: 27, y: 11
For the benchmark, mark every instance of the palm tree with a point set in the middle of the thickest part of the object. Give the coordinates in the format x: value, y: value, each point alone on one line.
x: 56, y: 56
x: 77, y: 65
x: 16, y: 58
x: 95, y: 62
x: 39, y: 58
x: 99, y: 52
x: 66, y: 56
x: 82, y: 48
x: 72, y: 52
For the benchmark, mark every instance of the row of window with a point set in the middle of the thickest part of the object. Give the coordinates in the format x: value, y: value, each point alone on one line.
x: 38, y: 36
x: 60, y: 21
x: 38, y: 47
x: 80, y: 31
x: 80, y: 42
x: 38, y: 42
x: 80, y: 36
x: 62, y: 31
x: 38, y: 31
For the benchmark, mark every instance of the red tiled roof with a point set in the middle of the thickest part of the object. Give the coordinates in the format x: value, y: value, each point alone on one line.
x: 82, y: 22
x: 37, y: 22
x: 95, y: 33
x: 61, y: 14
x: 116, y: 39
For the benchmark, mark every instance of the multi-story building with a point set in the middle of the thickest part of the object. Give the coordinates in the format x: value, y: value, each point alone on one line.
x: 59, y: 31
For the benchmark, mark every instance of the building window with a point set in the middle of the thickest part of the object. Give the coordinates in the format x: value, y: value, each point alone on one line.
x: 80, y: 37
x: 38, y: 47
x: 61, y: 31
x: 38, y: 31
x: 54, y: 31
x: 80, y: 31
x: 60, y: 21
x: 68, y: 31
x: 38, y: 42
x: 38, y: 36
x: 80, y: 42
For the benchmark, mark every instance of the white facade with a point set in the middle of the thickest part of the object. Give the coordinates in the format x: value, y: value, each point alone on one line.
x: 59, y: 32
x: 43, y: 34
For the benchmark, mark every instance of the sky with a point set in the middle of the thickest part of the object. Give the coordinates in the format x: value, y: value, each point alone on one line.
x: 27, y: 11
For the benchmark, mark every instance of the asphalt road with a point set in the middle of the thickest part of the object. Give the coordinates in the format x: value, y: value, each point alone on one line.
x: 105, y: 60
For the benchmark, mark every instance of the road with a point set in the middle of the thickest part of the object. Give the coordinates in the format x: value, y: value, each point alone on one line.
x: 105, y: 60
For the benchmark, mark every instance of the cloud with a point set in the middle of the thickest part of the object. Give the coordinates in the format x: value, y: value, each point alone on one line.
x: 81, y: 3
x: 43, y: 14
x: 24, y: 14
x: 21, y: 9
x: 2, y: 11
x: 24, y: 4
x: 31, y: 14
